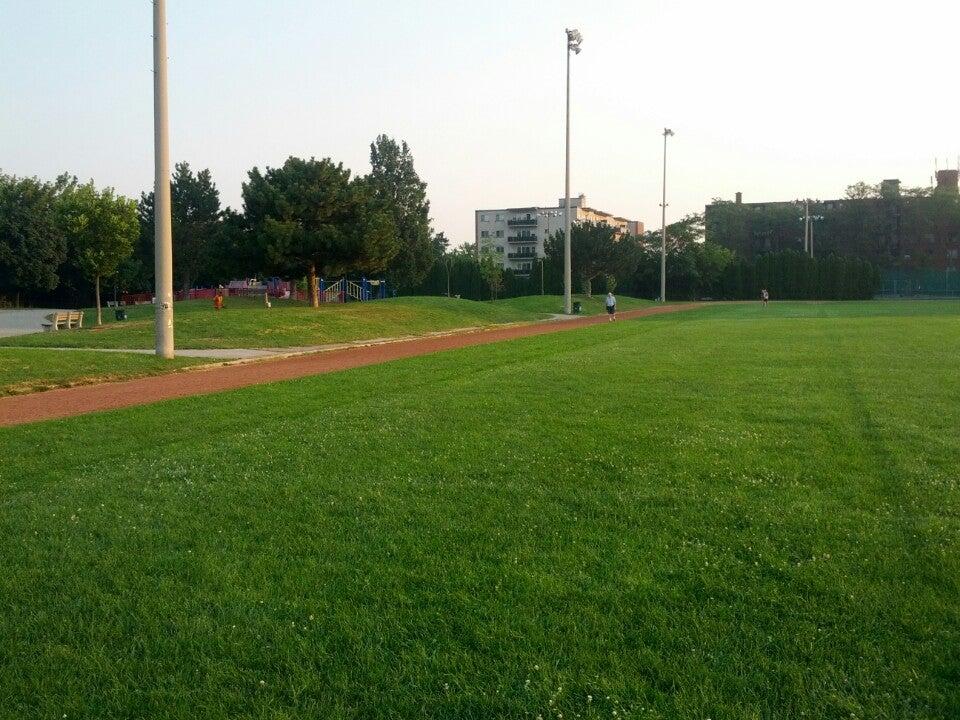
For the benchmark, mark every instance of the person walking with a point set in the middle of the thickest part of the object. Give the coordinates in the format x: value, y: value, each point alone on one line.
x: 765, y: 296
x: 611, y: 306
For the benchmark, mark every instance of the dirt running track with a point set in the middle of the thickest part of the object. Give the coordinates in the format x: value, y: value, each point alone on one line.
x: 66, y: 402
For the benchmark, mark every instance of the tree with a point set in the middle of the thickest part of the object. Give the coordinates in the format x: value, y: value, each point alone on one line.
x: 862, y: 191
x: 596, y: 249
x: 101, y: 228
x: 312, y: 217
x: 491, y: 270
x: 32, y: 245
x: 196, y: 222
x: 399, y: 191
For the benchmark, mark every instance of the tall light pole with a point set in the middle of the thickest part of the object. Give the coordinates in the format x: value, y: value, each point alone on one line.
x: 162, y: 237
x: 574, y: 38
x: 667, y: 132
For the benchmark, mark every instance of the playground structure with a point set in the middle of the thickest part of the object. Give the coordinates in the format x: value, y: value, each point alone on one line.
x: 346, y: 290
x: 343, y: 290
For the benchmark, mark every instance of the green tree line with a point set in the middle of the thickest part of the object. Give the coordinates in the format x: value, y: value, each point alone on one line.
x: 307, y: 218
x: 603, y: 259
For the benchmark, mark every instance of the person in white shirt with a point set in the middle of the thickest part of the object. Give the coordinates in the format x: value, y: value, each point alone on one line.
x: 611, y: 306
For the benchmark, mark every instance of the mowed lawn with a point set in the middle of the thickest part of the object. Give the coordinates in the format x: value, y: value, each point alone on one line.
x: 33, y: 369
x: 246, y: 323
x: 726, y: 513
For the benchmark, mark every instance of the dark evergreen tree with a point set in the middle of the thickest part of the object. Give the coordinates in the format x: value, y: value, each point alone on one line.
x: 399, y: 191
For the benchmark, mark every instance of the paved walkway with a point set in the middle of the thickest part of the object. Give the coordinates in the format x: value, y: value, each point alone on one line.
x: 23, y: 322
x: 67, y: 402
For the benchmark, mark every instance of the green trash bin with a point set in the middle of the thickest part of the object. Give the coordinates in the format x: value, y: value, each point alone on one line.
x: 577, y: 307
x: 121, y: 314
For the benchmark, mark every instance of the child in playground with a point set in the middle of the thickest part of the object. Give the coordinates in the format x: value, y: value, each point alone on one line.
x: 218, y: 300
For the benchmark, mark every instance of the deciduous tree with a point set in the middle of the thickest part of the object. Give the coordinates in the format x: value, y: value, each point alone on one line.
x: 491, y: 270
x: 596, y: 249
x: 101, y: 228
x: 32, y: 244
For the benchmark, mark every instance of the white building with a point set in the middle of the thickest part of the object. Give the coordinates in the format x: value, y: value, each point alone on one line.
x: 517, y: 235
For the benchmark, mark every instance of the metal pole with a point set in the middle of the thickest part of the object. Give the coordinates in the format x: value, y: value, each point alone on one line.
x: 806, y: 228
x: 811, y: 238
x: 567, y: 295
x: 541, y: 276
x: 162, y: 239
x: 663, y: 221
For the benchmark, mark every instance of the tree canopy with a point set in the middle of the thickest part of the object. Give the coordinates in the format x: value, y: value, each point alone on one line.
x: 196, y: 222
x: 596, y: 249
x: 32, y: 243
x: 101, y: 228
x: 399, y: 191
x: 314, y: 218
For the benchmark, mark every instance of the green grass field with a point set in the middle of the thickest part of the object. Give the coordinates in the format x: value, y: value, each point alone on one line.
x: 35, y: 369
x: 246, y: 323
x: 726, y: 513
x: 544, y: 304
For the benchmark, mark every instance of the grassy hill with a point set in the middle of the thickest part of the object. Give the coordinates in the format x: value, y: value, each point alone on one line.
x: 725, y: 514
x: 245, y: 322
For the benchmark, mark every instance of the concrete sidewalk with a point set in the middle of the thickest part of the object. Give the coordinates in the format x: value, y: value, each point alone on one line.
x: 23, y: 322
x: 214, y: 354
x: 260, y: 353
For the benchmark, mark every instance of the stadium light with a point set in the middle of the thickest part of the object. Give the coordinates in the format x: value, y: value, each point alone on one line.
x: 667, y: 132
x: 162, y: 235
x: 574, y: 38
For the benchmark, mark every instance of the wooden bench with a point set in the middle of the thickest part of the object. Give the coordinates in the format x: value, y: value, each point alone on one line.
x: 70, y: 320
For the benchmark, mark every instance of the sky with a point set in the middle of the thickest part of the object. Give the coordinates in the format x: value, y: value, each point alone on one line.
x: 777, y: 100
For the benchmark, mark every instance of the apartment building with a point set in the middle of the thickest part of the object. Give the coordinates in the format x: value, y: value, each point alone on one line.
x: 517, y: 235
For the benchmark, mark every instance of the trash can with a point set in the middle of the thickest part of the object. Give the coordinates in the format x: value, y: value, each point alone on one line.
x: 121, y: 313
x: 576, y: 308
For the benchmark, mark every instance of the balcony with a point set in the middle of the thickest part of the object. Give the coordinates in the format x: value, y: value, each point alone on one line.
x: 522, y: 239
x: 522, y: 256
x: 522, y: 222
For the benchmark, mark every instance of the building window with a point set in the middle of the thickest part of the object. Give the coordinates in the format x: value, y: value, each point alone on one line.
x: 500, y: 233
x: 484, y: 233
x: 483, y: 218
x: 499, y: 248
x: 498, y: 217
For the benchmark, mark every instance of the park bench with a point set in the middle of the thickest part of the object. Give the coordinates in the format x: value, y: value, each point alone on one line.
x: 69, y: 320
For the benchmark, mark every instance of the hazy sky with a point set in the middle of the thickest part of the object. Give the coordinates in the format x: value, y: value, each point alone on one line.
x: 777, y: 99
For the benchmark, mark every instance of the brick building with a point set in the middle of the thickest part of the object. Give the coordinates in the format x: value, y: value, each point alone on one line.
x: 914, y: 237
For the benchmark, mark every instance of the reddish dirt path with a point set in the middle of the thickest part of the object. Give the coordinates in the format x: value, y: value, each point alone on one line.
x: 66, y: 402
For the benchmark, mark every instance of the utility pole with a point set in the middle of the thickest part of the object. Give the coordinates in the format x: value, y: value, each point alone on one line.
x: 667, y: 132
x: 807, y: 228
x: 162, y: 238
x: 573, y: 44
x: 810, y: 220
